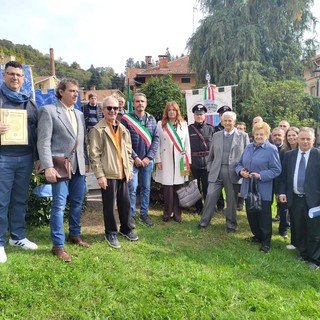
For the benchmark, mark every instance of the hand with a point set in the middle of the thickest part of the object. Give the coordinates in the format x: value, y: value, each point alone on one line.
x: 145, y: 161
x: 4, y: 128
x: 282, y: 198
x: 51, y: 175
x: 102, y: 181
x: 255, y: 174
x: 131, y: 176
x: 159, y: 165
x: 87, y: 168
x: 138, y: 162
x: 244, y: 173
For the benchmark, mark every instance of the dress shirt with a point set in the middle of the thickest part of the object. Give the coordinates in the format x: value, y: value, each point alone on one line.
x: 296, y: 170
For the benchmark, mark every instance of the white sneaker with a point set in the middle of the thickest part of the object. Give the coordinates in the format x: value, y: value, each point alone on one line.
x: 290, y: 247
x: 23, y: 243
x: 3, y: 256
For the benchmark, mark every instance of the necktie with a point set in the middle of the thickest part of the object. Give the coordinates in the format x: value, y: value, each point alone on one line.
x: 227, y: 135
x: 301, y: 173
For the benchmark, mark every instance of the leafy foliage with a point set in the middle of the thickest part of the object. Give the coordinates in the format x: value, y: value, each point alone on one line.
x: 278, y: 100
x: 159, y: 91
x: 248, y: 42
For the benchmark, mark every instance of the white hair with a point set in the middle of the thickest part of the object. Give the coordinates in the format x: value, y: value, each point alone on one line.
x: 230, y: 114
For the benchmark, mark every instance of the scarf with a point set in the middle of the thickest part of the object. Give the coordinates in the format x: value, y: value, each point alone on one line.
x: 13, y: 96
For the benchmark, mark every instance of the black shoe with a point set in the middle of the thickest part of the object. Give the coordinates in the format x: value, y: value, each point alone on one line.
x: 146, y: 219
x: 264, y: 249
x: 130, y: 236
x: 165, y: 219
x: 252, y: 239
x: 284, y: 235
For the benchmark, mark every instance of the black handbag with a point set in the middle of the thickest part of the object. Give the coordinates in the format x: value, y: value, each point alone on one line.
x: 253, y: 201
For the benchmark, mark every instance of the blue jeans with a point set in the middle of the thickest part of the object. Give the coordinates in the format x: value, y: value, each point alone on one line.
x: 15, y: 174
x: 142, y: 176
x: 73, y: 190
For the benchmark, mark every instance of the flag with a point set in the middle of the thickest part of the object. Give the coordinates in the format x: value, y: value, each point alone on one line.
x: 129, y: 98
x: 209, y: 92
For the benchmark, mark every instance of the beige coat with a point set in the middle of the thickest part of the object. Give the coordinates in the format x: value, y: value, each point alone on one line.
x: 103, y: 152
x: 168, y: 155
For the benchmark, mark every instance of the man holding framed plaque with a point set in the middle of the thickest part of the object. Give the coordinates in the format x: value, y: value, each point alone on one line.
x: 18, y: 127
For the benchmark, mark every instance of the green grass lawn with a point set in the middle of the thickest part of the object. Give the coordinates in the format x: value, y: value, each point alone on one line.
x: 175, y: 271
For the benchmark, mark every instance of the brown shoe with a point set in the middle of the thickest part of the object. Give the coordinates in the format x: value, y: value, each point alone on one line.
x: 77, y: 240
x: 61, y: 253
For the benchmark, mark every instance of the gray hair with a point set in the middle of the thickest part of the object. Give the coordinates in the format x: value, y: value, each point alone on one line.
x: 108, y: 99
x: 308, y: 129
x: 230, y: 114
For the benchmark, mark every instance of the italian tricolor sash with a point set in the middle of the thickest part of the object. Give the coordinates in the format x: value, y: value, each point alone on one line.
x: 139, y: 127
x: 175, y: 139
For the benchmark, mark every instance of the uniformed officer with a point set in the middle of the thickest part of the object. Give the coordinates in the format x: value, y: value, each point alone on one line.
x: 200, y: 134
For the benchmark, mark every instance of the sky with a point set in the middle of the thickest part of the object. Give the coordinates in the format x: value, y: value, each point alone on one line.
x: 103, y: 33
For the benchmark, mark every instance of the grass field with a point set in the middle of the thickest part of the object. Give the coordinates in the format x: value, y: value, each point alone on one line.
x: 175, y: 271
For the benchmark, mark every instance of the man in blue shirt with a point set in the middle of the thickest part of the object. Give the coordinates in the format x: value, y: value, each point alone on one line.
x: 145, y: 140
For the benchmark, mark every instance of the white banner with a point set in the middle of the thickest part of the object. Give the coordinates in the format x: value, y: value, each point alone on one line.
x: 222, y: 96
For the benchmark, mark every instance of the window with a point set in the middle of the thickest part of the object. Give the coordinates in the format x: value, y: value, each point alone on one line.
x: 185, y: 80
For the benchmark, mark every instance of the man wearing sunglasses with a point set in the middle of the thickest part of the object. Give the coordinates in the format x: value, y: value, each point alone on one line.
x: 16, y: 162
x: 112, y: 164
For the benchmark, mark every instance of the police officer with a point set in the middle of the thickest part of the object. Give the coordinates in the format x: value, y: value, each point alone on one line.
x: 200, y: 134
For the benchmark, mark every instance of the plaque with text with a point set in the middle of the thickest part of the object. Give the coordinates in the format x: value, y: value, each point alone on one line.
x: 17, y: 119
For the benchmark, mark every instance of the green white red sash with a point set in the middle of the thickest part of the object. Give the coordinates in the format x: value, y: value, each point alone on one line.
x: 175, y: 139
x: 139, y: 127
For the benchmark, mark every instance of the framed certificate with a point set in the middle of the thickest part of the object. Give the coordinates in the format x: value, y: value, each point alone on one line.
x: 17, y: 119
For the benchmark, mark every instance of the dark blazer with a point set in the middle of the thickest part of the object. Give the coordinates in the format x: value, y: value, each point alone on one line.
x: 312, y: 180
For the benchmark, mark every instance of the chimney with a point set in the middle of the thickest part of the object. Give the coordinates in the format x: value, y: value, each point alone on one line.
x: 52, y: 65
x: 148, y: 61
x: 163, y: 61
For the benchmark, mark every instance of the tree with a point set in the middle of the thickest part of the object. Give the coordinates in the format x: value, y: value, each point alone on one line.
x: 278, y: 100
x: 168, y: 54
x: 117, y: 82
x: 159, y: 91
x: 130, y: 63
x: 248, y: 42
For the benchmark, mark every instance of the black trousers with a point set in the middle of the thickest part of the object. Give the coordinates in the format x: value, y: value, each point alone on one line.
x: 202, y: 180
x: 305, y: 232
x: 117, y: 190
x: 171, y: 202
x: 261, y: 223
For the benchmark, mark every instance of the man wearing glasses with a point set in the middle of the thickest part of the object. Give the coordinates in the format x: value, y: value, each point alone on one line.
x: 16, y: 162
x: 145, y: 139
x: 112, y: 164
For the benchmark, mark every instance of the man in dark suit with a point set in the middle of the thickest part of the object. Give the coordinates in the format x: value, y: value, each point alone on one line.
x: 300, y: 188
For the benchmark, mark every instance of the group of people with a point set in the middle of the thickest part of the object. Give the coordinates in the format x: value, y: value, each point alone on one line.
x: 125, y: 149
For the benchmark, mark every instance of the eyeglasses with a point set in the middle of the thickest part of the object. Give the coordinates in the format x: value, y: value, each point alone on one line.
x: 109, y: 108
x: 12, y: 74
